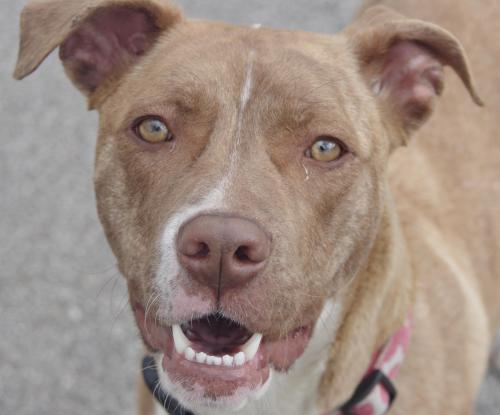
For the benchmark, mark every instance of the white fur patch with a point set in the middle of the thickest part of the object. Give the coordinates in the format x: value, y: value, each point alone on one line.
x: 169, y: 266
x: 246, y: 92
x: 245, y: 95
x: 247, y: 86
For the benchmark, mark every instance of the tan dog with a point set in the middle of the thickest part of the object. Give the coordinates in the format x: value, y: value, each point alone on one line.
x: 273, y: 231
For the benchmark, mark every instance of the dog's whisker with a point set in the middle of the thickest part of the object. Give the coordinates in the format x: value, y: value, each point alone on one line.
x: 123, y: 306
x: 116, y: 276
x: 148, y: 367
x: 157, y: 386
x: 147, y: 311
x: 150, y: 303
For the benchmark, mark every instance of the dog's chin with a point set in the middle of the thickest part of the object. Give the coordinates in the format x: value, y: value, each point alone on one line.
x: 209, y: 395
x: 214, y: 362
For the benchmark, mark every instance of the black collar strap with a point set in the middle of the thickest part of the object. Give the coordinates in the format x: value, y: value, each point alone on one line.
x: 171, y: 405
x: 365, y: 388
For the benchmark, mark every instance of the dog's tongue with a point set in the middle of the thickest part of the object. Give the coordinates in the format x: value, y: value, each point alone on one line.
x: 216, y: 333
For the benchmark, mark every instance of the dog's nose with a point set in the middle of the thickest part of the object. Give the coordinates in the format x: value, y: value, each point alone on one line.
x: 222, y: 251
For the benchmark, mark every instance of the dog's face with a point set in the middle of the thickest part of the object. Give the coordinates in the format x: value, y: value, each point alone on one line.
x: 240, y: 176
x: 264, y: 154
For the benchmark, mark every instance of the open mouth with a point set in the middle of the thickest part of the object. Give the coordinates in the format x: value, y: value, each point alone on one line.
x: 216, y: 358
x: 216, y: 340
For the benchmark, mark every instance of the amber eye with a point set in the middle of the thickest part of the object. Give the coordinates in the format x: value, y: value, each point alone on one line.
x: 325, y: 149
x: 153, y: 130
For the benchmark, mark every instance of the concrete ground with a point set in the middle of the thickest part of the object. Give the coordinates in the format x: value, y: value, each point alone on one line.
x: 67, y: 342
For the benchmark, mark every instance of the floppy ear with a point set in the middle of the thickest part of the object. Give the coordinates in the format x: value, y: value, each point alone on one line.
x: 402, y: 62
x: 99, y: 39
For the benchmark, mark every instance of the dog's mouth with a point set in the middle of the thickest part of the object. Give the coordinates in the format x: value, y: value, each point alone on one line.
x: 216, y: 340
x: 216, y: 358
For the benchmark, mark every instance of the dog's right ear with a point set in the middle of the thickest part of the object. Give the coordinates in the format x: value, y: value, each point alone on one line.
x: 402, y: 60
x: 99, y: 40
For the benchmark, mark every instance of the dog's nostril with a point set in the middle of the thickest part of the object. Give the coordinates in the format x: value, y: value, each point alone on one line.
x: 199, y: 250
x: 203, y: 250
x: 241, y: 254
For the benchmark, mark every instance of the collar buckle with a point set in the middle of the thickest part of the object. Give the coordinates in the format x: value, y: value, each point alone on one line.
x: 365, y: 390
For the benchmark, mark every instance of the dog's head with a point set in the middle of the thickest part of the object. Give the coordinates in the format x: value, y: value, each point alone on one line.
x: 240, y: 172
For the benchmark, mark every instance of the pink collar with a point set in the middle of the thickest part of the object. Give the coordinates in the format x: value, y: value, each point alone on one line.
x: 376, y: 392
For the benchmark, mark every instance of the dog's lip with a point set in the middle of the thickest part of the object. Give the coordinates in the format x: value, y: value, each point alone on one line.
x: 221, y: 380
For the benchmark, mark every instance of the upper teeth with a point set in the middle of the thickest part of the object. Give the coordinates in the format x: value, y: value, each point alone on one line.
x: 181, y: 342
x: 184, y: 347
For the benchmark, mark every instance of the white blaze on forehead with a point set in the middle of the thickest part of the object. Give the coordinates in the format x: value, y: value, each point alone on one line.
x: 247, y: 86
x: 245, y: 95
x: 246, y: 92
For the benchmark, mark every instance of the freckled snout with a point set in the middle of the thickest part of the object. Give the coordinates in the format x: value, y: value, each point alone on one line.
x: 223, y: 251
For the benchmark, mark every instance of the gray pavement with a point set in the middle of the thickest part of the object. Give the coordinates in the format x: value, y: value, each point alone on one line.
x: 67, y: 342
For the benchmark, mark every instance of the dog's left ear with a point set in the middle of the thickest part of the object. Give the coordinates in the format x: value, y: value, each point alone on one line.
x: 99, y: 40
x: 402, y: 62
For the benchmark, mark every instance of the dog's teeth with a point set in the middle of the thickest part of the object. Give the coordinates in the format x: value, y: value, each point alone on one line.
x: 239, y: 359
x: 251, y: 346
x: 181, y: 342
x: 201, y: 357
x: 227, y: 360
x: 247, y: 353
x: 214, y: 360
x: 189, y: 354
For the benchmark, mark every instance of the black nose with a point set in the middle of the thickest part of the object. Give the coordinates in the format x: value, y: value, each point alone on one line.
x: 222, y: 251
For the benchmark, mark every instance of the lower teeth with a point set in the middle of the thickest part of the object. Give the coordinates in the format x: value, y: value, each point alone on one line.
x: 183, y: 347
x: 227, y: 360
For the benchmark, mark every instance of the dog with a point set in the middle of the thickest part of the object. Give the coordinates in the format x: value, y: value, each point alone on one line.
x: 298, y: 234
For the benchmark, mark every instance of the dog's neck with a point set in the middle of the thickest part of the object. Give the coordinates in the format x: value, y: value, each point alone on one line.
x: 379, y: 301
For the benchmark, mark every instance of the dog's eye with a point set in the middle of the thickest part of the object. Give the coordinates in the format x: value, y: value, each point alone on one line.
x: 153, y: 130
x: 325, y: 149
